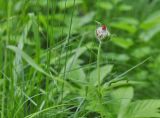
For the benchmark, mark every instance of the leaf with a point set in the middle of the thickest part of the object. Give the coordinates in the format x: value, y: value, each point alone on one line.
x: 120, y: 83
x: 124, y: 43
x: 79, y: 22
x: 124, y: 26
x: 122, y: 98
x: 150, y: 33
x: 77, y: 73
x: 27, y: 58
x: 117, y: 57
x: 69, y: 3
x: 104, y: 70
x: 129, y: 20
x: 105, y: 5
x: 1, y: 82
x: 151, y: 21
x: 141, y: 52
x: 116, y: 1
x: 73, y: 59
x: 86, y: 19
x: 124, y: 7
x: 144, y: 108
x: 31, y: 62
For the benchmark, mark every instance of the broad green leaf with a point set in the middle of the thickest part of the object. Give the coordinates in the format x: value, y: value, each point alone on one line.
x: 124, y: 43
x: 86, y: 19
x: 122, y: 97
x: 124, y: 26
x: 116, y: 1
x: 121, y: 83
x: 150, y: 33
x: 77, y: 73
x: 151, y: 21
x: 78, y: 22
x: 124, y: 7
x: 129, y: 20
x: 117, y: 57
x: 105, y: 5
x: 31, y: 62
x: 144, y: 108
x: 141, y: 52
x: 73, y: 59
x: 69, y: 3
x: 27, y: 59
x: 1, y: 82
x: 104, y: 71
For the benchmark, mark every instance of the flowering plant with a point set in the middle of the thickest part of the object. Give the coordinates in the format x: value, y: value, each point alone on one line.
x: 102, y: 32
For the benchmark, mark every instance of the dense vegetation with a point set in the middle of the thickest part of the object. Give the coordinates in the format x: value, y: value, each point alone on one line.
x: 53, y: 67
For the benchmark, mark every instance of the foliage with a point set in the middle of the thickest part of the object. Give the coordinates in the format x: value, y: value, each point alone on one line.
x: 52, y: 66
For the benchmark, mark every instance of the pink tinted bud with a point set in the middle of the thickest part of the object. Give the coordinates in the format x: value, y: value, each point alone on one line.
x: 104, y: 27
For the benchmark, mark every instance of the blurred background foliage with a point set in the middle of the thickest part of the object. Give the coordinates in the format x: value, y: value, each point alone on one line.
x: 48, y: 30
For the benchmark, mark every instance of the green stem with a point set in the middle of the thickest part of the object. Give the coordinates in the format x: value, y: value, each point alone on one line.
x: 98, y: 67
x: 99, y: 75
x: 68, y: 41
x: 3, y: 96
x: 5, y: 71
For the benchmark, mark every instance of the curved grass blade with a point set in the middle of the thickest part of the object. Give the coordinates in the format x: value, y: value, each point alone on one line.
x: 47, y: 109
x: 31, y: 62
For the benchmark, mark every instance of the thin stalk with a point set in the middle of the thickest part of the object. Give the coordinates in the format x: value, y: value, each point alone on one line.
x: 3, y: 98
x: 4, y: 104
x: 48, y: 46
x: 48, y: 54
x: 66, y: 56
x: 99, y: 75
x: 98, y: 67
x: 4, y: 85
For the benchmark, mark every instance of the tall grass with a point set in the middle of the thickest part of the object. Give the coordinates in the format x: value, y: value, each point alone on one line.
x: 52, y: 66
x: 65, y: 46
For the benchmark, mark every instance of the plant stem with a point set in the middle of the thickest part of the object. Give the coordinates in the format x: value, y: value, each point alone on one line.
x: 99, y: 75
x: 68, y: 41
x: 98, y: 67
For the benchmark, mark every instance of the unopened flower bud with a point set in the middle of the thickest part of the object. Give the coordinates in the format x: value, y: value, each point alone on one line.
x: 102, y: 32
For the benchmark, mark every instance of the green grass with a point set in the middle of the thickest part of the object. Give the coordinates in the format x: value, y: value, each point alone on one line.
x: 52, y: 65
